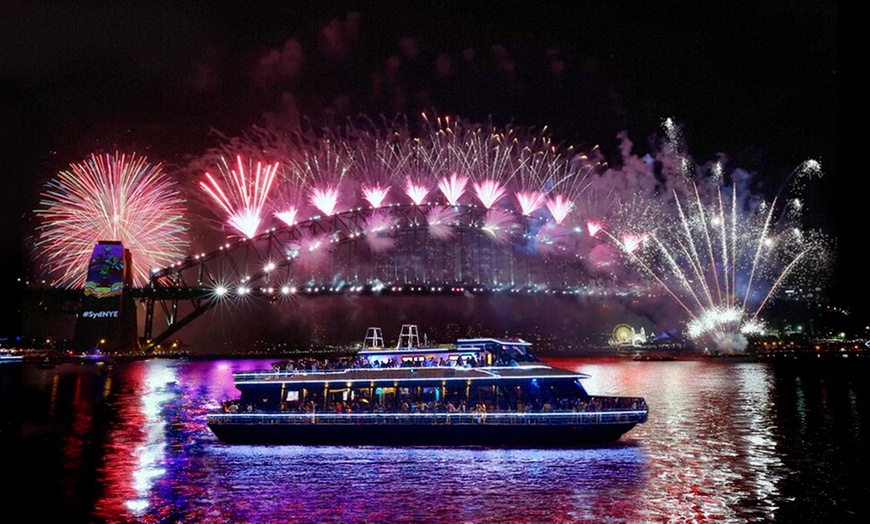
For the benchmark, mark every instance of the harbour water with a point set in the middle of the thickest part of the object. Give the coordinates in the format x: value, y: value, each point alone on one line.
x: 726, y: 441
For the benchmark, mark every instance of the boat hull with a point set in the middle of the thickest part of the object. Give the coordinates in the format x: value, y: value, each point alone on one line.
x: 387, y: 434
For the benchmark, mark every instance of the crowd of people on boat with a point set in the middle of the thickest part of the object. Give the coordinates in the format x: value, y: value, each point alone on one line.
x: 360, y: 362
x: 452, y: 406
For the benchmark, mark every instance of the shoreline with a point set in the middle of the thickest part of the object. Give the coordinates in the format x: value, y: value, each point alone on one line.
x: 852, y: 352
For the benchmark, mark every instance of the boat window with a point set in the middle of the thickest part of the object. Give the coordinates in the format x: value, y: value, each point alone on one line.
x: 515, y: 352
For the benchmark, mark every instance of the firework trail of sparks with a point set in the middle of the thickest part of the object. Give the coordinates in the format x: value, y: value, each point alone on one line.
x: 442, y: 152
x: 246, y: 194
x: 544, y: 169
x: 416, y: 192
x: 271, y: 147
x: 379, y: 158
x: 288, y: 196
x: 489, y: 192
x: 453, y: 188
x: 490, y: 155
x: 559, y: 207
x: 323, y: 165
x: 720, y: 252
x: 114, y: 197
x: 721, y: 264
x: 376, y: 195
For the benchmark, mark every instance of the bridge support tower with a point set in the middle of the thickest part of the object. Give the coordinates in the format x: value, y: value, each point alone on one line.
x: 106, y: 321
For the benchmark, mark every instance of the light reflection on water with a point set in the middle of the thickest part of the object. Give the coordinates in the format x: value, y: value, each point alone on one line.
x: 725, y: 442
x: 709, y: 441
x: 412, y: 485
x: 135, y: 456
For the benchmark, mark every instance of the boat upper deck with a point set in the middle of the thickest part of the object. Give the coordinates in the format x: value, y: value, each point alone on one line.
x: 469, y: 359
x: 405, y: 374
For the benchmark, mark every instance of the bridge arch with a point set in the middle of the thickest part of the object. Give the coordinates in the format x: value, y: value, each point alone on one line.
x: 396, y: 249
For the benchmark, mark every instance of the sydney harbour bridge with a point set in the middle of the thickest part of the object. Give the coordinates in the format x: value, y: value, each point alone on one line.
x: 389, y: 251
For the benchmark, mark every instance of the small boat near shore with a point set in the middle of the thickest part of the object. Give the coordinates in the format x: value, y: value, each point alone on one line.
x: 476, y: 392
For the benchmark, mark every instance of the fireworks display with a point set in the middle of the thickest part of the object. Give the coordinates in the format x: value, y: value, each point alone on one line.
x: 723, y: 255
x: 714, y: 248
x: 246, y: 193
x: 367, y: 164
x: 110, y: 197
x: 453, y: 187
x: 720, y: 252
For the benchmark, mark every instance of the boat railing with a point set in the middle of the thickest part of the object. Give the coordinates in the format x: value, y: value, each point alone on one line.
x: 473, y: 417
x: 245, y: 376
x: 279, y: 374
x: 272, y: 375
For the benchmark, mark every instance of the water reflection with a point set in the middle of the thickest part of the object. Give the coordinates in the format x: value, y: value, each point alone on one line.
x: 725, y: 442
x: 710, y: 438
x: 417, y: 484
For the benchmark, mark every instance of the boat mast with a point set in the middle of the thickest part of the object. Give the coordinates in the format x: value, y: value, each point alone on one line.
x: 408, y: 338
x: 374, y: 339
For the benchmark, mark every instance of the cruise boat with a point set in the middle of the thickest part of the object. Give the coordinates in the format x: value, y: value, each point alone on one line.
x: 477, y: 392
x: 10, y: 357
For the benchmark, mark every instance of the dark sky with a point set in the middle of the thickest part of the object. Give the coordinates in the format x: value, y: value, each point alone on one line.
x: 759, y: 80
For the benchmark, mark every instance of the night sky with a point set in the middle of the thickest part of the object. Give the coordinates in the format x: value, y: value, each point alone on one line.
x: 757, y: 80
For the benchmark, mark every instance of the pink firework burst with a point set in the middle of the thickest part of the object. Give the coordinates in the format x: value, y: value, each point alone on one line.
x: 453, y: 187
x: 376, y: 194
x: 559, y: 207
x: 247, y: 189
x: 325, y: 199
x: 440, y: 220
x: 416, y: 192
x: 593, y: 227
x: 288, y: 215
x: 530, y: 201
x: 489, y: 192
x: 498, y: 223
x: 110, y: 197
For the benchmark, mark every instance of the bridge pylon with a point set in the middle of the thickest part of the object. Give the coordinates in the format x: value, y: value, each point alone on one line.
x: 107, y: 318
